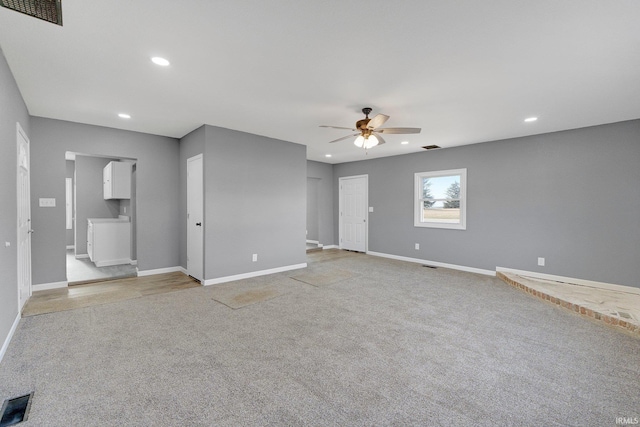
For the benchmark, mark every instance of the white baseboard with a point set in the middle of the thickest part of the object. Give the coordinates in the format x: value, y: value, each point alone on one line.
x: 82, y: 256
x: 435, y: 263
x: 161, y: 271
x: 7, y: 340
x: 331, y: 247
x: 564, y: 279
x: 47, y: 286
x: 112, y: 262
x: 253, y: 274
x: 314, y: 242
x: 134, y: 262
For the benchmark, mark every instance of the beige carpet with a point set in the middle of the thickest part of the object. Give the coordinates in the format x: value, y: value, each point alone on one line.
x: 235, y: 298
x: 320, y: 278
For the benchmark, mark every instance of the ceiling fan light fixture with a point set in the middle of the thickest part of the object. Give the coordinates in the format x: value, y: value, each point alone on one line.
x: 371, y: 141
x: 359, y: 142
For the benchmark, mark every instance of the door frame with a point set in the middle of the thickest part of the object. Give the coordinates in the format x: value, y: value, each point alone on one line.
x: 20, y: 133
x: 366, y: 209
x: 197, y: 157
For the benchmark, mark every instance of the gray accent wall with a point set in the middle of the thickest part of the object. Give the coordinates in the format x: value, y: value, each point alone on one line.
x: 255, y: 203
x: 322, y: 174
x: 12, y: 110
x: 157, y: 195
x: 572, y: 197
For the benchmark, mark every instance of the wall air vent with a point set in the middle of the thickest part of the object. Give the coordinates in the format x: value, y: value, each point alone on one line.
x: 48, y: 10
x: 431, y: 147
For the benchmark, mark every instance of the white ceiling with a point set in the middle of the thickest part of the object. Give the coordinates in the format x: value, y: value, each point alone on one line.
x: 464, y: 71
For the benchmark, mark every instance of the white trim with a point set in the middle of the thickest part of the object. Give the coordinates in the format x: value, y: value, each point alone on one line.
x: 82, y: 256
x: 253, y: 274
x: 331, y: 247
x: 162, y: 271
x: 7, y: 340
x: 111, y: 262
x: 134, y: 262
x: 436, y: 264
x: 68, y: 203
x: 52, y: 285
x: 71, y: 247
x: 570, y: 280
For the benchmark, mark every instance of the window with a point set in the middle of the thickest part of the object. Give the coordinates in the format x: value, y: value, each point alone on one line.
x: 440, y: 199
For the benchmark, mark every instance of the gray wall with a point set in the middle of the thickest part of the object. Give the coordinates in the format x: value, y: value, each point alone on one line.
x: 12, y: 110
x: 90, y: 202
x: 191, y: 145
x: 157, y: 184
x: 572, y: 197
x: 255, y: 202
x: 323, y: 172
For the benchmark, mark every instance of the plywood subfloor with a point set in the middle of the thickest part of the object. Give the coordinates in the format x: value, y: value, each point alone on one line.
x: 79, y: 296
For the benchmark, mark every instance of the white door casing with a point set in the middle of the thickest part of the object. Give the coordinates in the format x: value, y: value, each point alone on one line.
x: 24, y: 218
x: 353, y: 201
x: 195, y: 214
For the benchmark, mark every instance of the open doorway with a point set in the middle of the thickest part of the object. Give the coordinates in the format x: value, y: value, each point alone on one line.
x: 101, y: 220
x: 313, y: 222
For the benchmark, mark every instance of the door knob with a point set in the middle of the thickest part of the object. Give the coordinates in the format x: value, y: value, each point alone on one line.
x: 199, y: 224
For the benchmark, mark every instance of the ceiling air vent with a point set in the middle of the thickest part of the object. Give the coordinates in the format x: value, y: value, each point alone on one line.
x: 48, y: 10
x: 431, y: 147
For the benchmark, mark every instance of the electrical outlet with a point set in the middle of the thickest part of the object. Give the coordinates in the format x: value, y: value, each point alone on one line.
x: 254, y: 258
x: 541, y: 262
x: 417, y: 246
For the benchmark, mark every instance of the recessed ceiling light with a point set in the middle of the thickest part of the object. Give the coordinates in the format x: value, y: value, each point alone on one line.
x: 531, y: 119
x: 124, y: 116
x: 327, y: 155
x: 160, y: 61
x: 404, y: 142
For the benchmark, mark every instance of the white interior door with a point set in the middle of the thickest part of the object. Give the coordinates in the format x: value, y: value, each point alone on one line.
x: 195, y: 214
x: 24, y: 219
x: 353, y: 212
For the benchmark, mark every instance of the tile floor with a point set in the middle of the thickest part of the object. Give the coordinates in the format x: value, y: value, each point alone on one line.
x: 83, y: 270
x: 617, y: 306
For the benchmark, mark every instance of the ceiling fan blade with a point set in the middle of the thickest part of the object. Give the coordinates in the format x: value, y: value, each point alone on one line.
x: 337, y: 127
x: 377, y: 121
x: 344, y: 137
x: 380, y: 138
x: 399, y: 130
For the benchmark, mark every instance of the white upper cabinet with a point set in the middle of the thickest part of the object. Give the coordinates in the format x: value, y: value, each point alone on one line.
x: 116, y: 178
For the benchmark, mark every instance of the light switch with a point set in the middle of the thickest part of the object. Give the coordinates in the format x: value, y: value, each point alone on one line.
x: 370, y: 208
x: 47, y: 202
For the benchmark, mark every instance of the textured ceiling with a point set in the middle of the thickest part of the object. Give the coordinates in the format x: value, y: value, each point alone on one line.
x: 463, y: 71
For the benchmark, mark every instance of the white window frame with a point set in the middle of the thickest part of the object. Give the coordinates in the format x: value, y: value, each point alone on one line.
x: 417, y: 194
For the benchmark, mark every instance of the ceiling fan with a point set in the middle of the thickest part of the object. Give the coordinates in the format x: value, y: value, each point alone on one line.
x: 368, y: 130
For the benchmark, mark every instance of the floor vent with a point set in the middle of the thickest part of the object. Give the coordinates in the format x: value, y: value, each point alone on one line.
x: 48, y: 10
x: 431, y: 147
x: 15, y: 410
